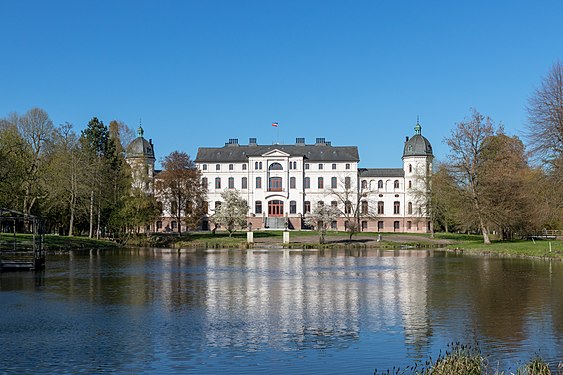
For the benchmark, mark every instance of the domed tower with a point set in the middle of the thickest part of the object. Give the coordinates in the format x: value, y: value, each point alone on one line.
x: 140, y: 156
x: 417, y: 164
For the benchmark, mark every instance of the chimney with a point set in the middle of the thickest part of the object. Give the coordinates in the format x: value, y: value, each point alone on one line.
x: 252, y: 141
x: 320, y: 141
x: 232, y: 142
x: 300, y: 141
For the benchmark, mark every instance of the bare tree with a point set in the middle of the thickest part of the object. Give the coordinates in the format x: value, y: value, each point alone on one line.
x: 354, y: 200
x: 321, y: 217
x: 35, y: 128
x: 467, y: 142
x: 545, y: 116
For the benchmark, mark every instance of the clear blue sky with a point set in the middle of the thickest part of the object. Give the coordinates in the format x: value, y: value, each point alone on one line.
x: 354, y: 72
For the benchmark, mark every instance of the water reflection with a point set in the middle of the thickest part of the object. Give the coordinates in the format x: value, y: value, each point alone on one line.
x: 151, y: 310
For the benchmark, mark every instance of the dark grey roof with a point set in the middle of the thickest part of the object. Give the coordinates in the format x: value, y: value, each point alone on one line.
x: 314, y: 153
x: 417, y: 145
x: 140, y: 147
x: 381, y: 172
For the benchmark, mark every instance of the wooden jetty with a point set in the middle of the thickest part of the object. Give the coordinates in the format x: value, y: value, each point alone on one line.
x: 21, y: 241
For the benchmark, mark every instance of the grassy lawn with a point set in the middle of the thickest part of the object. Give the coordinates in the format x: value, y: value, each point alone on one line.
x: 306, y: 239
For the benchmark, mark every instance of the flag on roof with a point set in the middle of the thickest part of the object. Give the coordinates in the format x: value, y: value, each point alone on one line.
x: 275, y: 124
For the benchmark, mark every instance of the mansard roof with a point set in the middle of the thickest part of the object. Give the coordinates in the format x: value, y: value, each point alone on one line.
x: 381, y: 172
x: 320, y: 152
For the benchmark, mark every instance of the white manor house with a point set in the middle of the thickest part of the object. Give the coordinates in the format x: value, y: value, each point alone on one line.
x: 282, y: 183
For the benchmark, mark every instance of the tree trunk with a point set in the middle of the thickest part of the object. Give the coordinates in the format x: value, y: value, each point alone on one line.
x: 98, y: 224
x: 71, y: 222
x: 485, y: 231
x: 91, y: 214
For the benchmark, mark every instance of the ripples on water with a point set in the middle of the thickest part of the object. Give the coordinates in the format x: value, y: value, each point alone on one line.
x: 280, y: 311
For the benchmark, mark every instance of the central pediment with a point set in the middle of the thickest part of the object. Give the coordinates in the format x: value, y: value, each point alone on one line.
x: 275, y: 153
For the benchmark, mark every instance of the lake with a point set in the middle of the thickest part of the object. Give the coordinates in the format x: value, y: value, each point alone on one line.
x: 275, y: 311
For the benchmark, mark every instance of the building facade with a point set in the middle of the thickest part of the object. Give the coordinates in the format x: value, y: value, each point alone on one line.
x: 282, y: 183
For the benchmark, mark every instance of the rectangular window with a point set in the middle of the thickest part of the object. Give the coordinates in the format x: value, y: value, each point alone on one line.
x: 217, y: 167
x: 396, y: 208
x: 231, y: 167
x: 258, y: 182
x: 244, y: 183
x: 347, y: 166
x: 409, y: 225
x: 204, y: 167
x: 347, y: 183
x: 306, y: 166
x: 334, y: 225
x: 292, y: 181
x: 364, y: 225
x: 244, y: 167
x: 334, y: 204
x: 231, y: 182
x: 275, y: 184
x: 321, y: 183
x: 258, y: 207
x: 380, y: 208
x: 292, y: 207
x: 218, y: 183
x: 380, y: 226
x: 320, y: 166
x: 307, y: 207
x: 307, y: 183
x: 333, y: 183
x: 333, y: 166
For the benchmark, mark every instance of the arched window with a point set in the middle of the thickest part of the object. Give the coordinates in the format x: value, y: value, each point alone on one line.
x: 409, y: 208
x: 380, y: 184
x: 364, y: 184
x: 260, y: 165
x: 380, y: 208
x: 396, y: 207
x: 396, y: 184
x: 410, y: 184
x: 410, y: 168
x: 255, y: 165
x: 275, y: 167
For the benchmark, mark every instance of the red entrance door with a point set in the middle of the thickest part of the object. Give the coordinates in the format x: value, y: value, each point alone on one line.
x: 275, y: 208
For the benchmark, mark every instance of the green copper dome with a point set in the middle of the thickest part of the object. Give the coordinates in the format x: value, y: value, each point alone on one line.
x: 417, y: 145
